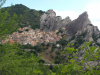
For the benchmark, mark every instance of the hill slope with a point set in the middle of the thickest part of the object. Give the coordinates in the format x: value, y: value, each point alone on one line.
x: 31, y: 17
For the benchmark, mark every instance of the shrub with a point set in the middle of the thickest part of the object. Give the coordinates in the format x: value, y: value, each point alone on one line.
x: 58, y: 52
x: 73, y: 37
x: 57, y: 62
x: 52, y: 50
x: 51, y: 56
x: 84, y: 34
x: 48, y: 44
x: 27, y: 30
x: 51, y: 67
x: 43, y: 44
x: 20, y: 31
x: 41, y: 61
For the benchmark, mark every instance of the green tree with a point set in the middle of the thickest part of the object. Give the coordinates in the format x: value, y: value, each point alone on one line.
x: 13, y: 60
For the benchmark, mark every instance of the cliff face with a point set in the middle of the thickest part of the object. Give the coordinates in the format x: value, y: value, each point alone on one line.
x: 78, y: 24
x: 49, y: 21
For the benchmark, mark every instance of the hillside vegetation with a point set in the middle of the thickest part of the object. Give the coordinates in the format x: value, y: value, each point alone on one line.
x: 31, y: 17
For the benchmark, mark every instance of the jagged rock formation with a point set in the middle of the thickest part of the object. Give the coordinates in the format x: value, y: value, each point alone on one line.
x: 49, y: 21
x: 80, y: 25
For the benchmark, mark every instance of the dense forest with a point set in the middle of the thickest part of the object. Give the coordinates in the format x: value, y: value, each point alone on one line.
x: 15, y: 61
x: 31, y: 17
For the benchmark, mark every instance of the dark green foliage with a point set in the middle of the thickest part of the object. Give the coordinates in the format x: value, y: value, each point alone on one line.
x: 59, y: 47
x: 98, y: 44
x: 60, y: 31
x: 8, y: 24
x: 79, y: 40
x: 45, y: 20
x: 57, y: 62
x: 38, y: 48
x: 30, y: 16
x: 43, y: 44
x: 54, y: 46
x: 27, y: 46
x: 84, y: 34
x: 73, y: 37
x: 48, y: 44
x: 95, y: 38
x: 27, y: 30
x: 57, y: 59
x: 12, y: 61
x: 91, y: 24
x: 28, y: 53
x: 63, y: 57
x: 20, y: 31
x: 51, y: 67
x: 52, y: 50
x: 51, y: 56
x: 20, y: 52
x: 34, y: 52
x: 58, y: 52
x: 58, y: 16
x: 41, y: 61
x: 62, y: 42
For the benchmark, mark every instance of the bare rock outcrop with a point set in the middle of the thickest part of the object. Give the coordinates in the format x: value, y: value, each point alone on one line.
x: 49, y: 21
x: 78, y: 24
x: 82, y: 24
x: 98, y: 41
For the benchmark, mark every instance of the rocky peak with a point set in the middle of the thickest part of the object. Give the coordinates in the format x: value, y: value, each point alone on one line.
x: 49, y: 21
x: 83, y: 15
x: 67, y: 20
x: 78, y: 24
x: 51, y: 12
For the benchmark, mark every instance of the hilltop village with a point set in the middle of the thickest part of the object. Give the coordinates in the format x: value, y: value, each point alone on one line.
x: 33, y: 37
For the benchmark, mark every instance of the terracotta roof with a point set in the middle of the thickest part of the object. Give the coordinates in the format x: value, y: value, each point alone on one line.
x: 63, y: 28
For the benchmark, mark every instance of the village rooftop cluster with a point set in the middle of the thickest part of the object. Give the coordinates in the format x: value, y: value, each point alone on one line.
x: 33, y: 37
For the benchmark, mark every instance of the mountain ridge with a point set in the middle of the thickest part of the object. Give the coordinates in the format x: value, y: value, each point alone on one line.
x: 51, y: 22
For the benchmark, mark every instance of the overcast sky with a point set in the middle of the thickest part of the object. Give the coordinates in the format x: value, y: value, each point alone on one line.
x: 64, y: 8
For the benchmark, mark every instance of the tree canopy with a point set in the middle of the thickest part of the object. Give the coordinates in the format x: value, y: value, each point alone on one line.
x: 31, y: 17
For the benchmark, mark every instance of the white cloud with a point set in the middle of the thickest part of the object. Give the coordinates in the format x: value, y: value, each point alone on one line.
x: 94, y: 13
x: 72, y: 14
x: 93, y: 9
